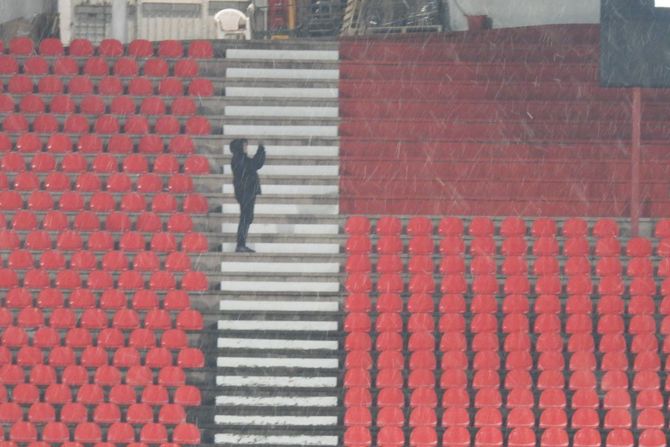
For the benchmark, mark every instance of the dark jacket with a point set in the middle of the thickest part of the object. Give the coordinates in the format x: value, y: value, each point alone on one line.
x: 245, y: 178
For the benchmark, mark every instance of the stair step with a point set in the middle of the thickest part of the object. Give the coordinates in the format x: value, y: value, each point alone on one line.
x: 282, y: 73
x: 276, y: 150
x: 286, y: 228
x: 293, y: 170
x: 282, y: 112
x: 289, y: 247
x: 247, y: 420
x: 280, y: 267
x: 277, y: 401
x: 282, y: 362
x: 278, y: 286
x: 279, y: 306
x: 283, y: 208
x: 277, y: 381
x: 276, y: 344
x: 281, y: 92
x: 278, y: 325
x: 288, y: 440
x: 275, y: 54
x: 261, y: 130
x: 288, y: 190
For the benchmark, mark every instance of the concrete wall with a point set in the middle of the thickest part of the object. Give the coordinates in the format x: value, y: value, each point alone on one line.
x: 26, y: 9
x: 513, y: 13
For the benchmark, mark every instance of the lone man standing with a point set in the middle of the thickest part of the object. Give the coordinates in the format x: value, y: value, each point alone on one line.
x: 247, y: 186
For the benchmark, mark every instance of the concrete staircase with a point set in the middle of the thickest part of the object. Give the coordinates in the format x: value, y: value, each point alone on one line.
x: 277, y: 368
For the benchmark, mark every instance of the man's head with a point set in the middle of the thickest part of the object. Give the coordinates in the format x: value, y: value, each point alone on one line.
x: 239, y: 146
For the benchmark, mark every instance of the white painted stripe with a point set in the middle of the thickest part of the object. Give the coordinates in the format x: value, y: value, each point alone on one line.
x: 292, y: 131
x: 283, y: 73
x: 282, y: 112
x: 285, y: 208
x: 281, y: 228
x: 277, y: 325
x: 276, y: 344
x: 280, y: 267
x: 277, y: 381
x: 279, y: 286
x: 293, y: 170
x: 252, y: 53
x: 281, y: 92
x: 263, y: 362
x: 280, y: 306
x: 263, y: 247
x: 288, y: 190
x: 277, y: 401
x: 298, y: 151
x: 302, y: 421
x: 304, y: 440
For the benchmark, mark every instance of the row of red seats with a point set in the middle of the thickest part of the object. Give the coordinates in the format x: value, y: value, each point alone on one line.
x: 123, y: 357
x: 90, y: 433
x: 140, y: 300
x: 106, y: 163
x: 512, y: 246
x: 114, y: 261
x: 192, y: 281
x: 512, y: 265
x: 60, y: 143
x: 24, y: 46
x: 484, y: 226
x: 81, y: 338
x: 106, y: 124
x: 104, y: 413
x: 21, y: 84
x: 98, y: 66
x: 116, y: 221
x: 91, y: 182
x: 96, y: 105
x: 131, y: 202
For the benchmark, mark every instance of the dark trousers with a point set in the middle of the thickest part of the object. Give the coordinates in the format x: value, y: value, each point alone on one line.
x: 246, y: 217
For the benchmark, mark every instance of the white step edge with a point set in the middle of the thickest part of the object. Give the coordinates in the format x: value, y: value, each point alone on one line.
x: 298, y: 151
x: 277, y: 381
x: 285, y: 208
x: 276, y: 344
x: 289, y: 190
x: 283, y: 73
x: 284, y: 248
x: 291, y: 131
x: 312, y: 55
x: 282, y: 112
x: 279, y: 306
x: 280, y: 267
x: 277, y: 325
x: 277, y: 401
x: 303, y: 440
x: 296, y: 421
x: 293, y: 170
x: 282, y: 362
x: 279, y: 286
x: 281, y: 92
x: 269, y: 228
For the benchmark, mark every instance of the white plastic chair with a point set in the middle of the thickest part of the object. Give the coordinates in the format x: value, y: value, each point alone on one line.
x: 233, y: 23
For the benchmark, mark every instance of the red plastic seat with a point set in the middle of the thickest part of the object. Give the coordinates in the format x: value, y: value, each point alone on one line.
x: 620, y: 437
x: 201, y: 87
x: 80, y: 85
x: 77, y: 124
x: 110, y: 47
x: 51, y: 46
x: 81, y: 48
x: 28, y: 104
x: 170, y: 49
x: 170, y: 86
x: 120, y: 433
x: 514, y: 246
x: 126, y: 66
x: 140, y: 86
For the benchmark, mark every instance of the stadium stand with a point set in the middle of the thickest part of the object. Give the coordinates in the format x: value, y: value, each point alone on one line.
x: 97, y: 239
x: 524, y: 339
x: 511, y: 121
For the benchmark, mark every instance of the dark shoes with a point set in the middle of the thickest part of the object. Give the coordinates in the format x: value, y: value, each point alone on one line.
x: 244, y: 249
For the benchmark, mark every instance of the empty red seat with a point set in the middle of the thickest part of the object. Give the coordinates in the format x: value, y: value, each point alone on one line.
x: 620, y: 437
x: 81, y: 48
x: 23, y: 432
x: 51, y: 46
x: 140, y: 86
